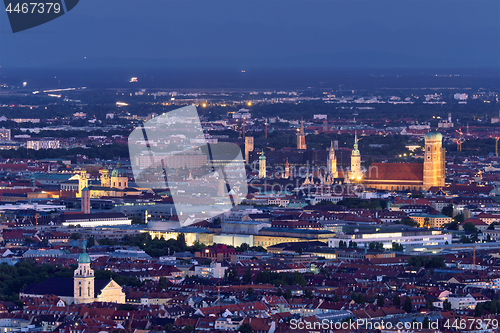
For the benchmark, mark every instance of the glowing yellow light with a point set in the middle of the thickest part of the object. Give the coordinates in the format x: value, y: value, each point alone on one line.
x: 204, y: 105
x: 249, y: 103
x: 359, y: 178
x: 405, y: 155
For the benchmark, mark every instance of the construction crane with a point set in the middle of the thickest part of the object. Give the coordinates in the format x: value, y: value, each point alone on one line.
x: 460, y: 139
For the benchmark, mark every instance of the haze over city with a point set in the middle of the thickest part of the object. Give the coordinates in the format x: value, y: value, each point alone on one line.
x: 250, y: 166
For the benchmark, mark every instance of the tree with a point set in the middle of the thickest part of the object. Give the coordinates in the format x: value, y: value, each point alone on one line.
x: 470, y: 228
x: 299, y: 250
x: 396, y: 300
x: 407, y: 305
x: 250, y: 291
x: 127, y: 307
x: 446, y: 305
x: 308, y: 293
x: 162, y: 283
x: 242, y: 248
x: 448, y: 210
x: 90, y: 241
x: 137, y: 220
x: 232, y: 274
x: 430, y: 304
x: 247, y: 277
x: 492, y: 226
x: 426, y: 323
x: 288, y: 294
x: 75, y: 236
x: 181, y: 241
x: 188, y: 328
x: 427, y: 222
x: 245, y: 328
x: 409, y: 222
x: 380, y: 300
x: 478, y: 311
x: 397, y: 247
x: 279, y: 292
x: 460, y: 218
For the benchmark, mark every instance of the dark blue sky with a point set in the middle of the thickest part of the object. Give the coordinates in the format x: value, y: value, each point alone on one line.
x: 245, y: 34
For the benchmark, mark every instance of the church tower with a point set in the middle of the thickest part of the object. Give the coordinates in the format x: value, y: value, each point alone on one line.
x: 331, y: 162
x: 356, y: 174
x: 262, y: 165
x: 83, y: 182
x: 105, y: 181
x: 86, y: 201
x: 301, y: 137
x: 434, y: 159
x: 83, y: 279
x: 248, y: 148
x: 287, y: 170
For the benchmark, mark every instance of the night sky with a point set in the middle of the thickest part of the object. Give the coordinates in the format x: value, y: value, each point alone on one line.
x: 245, y: 34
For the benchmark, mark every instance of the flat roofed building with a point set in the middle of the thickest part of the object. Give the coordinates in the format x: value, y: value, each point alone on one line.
x: 95, y: 220
x: 410, y: 237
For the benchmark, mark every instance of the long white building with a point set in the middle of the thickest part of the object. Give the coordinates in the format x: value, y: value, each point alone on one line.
x: 408, y: 238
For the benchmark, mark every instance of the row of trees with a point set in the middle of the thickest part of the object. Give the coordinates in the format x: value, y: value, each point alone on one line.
x: 281, y: 279
x: 19, y: 276
x: 156, y: 247
x: 427, y: 261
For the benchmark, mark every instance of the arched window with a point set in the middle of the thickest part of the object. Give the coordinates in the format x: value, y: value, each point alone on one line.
x: 80, y: 293
x: 89, y: 291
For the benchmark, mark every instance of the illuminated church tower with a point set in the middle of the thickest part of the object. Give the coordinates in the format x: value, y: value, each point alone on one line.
x: 356, y: 174
x: 262, y: 165
x: 331, y: 163
x: 83, y: 182
x: 301, y: 137
x: 105, y: 181
x: 287, y: 170
x: 434, y: 159
x: 248, y: 148
x: 83, y: 280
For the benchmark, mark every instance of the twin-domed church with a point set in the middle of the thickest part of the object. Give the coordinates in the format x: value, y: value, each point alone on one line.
x: 83, y: 288
x: 115, y: 185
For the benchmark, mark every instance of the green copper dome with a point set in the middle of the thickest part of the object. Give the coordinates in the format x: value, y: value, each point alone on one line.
x: 119, y: 171
x: 433, y: 136
x: 84, y: 258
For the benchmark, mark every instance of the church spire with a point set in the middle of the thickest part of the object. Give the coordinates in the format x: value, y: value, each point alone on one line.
x: 356, y: 142
x: 332, y: 162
